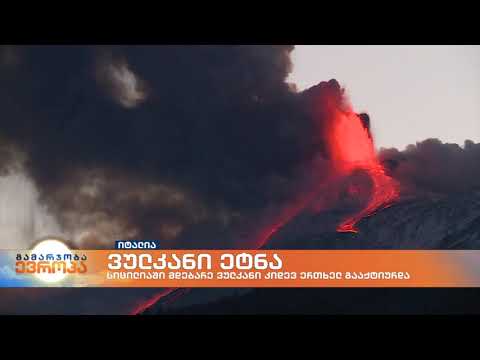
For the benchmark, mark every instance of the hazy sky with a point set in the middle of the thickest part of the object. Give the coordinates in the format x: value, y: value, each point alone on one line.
x: 411, y: 92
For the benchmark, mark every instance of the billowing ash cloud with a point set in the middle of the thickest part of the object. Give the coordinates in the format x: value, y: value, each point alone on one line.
x: 192, y: 145
x: 187, y: 144
x: 431, y: 167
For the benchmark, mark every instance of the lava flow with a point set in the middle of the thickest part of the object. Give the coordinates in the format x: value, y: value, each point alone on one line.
x: 351, y: 148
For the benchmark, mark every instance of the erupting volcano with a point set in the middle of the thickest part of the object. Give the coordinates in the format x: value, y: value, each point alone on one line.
x: 350, y: 146
x: 350, y: 149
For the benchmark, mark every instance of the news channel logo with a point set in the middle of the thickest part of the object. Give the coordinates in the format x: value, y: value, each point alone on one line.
x: 51, y: 261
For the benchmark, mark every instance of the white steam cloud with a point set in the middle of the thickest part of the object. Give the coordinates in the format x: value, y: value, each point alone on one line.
x: 23, y: 220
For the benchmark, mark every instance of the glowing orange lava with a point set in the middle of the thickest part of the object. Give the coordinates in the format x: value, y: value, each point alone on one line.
x: 351, y: 148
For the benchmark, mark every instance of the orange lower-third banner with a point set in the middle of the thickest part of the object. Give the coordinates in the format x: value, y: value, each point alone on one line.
x: 240, y: 268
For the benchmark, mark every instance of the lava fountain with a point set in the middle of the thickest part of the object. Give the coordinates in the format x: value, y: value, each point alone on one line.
x: 350, y: 146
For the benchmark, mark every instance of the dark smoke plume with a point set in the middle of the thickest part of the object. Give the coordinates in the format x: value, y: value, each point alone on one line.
x: 192, y: 145
x: 431, y: 167
x: 156, y: 141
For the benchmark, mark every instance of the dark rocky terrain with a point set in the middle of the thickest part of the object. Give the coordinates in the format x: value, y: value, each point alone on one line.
x: 451, y: 222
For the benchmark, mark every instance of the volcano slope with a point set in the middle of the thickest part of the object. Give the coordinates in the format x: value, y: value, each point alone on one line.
x: 450, y: 222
